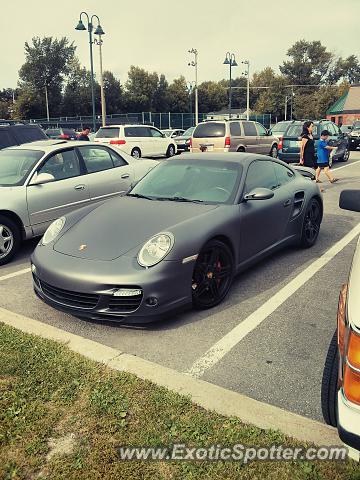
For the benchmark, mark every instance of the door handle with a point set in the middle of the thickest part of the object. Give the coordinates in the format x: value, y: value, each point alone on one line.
x: 125, y: 175
x: 79, y: 187
x: 287, y: 203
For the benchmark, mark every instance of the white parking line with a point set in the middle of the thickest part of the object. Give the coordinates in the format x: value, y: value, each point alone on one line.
x: 15, y: 274
x: 348, y: 165
x: 231, y: 339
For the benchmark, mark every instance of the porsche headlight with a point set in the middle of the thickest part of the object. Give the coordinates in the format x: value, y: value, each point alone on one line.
x: 156, y: 249
x: 53, y: 231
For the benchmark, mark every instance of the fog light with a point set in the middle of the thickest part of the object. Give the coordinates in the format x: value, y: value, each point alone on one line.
x: 127, y: 292
x: 151, y: 301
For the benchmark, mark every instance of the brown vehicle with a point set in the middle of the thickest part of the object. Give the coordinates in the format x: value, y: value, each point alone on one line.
x: 233, y: 136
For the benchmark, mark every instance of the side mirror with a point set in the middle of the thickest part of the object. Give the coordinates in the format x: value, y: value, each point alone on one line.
x: 259, y: 194
x: 42, y: 178
x: 350, y: 200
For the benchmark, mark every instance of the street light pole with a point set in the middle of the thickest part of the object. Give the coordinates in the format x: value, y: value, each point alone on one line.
x: 98, y: 31
x: 246, y: 62
x: 194, y: 63
x: 230, y: 60
x: 102, y: 92
x: 47, y: 103
x: 190, y: 90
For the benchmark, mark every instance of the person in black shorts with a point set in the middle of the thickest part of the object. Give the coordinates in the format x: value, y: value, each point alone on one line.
x: 307, y: 146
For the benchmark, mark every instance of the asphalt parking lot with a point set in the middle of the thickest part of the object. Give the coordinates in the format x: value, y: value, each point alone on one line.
x: 279, y: 359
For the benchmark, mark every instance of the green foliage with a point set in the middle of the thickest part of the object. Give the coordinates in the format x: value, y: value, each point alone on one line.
x: 140, y: 89
x: 113, y: 93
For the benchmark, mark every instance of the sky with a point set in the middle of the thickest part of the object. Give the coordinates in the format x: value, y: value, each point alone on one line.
x: 157, y: 34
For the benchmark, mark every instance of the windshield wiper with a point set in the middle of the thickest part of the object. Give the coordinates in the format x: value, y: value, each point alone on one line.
x: 138, y: 195
x: 179, y: 199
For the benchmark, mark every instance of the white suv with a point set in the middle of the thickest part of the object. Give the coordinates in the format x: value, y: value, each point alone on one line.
x: 137, y: 140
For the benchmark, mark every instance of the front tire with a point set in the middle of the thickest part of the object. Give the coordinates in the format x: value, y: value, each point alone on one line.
x: 311, y: 224
x: 345, y: 157
x: 136, y: 153
x: 274, y: 151
x: 170, y: 151
x: 213, y: 275
x: 329, y: 384
x: 10, y: 239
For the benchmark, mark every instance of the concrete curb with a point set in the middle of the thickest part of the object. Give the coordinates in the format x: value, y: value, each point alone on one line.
x: 204, y: 394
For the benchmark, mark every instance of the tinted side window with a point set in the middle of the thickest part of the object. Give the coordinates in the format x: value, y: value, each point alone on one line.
x: 249, y: 129
x: 261, y: 129
x: 137, y: 132
x: 118, y: 161
x: 235, y: 130
x: 6, y: 139
x: 96, y: 159
x: 155, y: 133
x: 283, y: 174
x: 261, y: 174
x: 62, y: 165
x: 28, y: 134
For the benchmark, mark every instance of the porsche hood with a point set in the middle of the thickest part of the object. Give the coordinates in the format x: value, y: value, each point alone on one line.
x: 119, y: 225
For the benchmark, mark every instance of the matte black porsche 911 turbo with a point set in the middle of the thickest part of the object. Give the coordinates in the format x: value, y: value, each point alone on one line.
x: 178, y: 238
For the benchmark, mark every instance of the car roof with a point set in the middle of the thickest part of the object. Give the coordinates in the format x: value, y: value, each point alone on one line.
x: 238, y: 157
x: 50, y: 145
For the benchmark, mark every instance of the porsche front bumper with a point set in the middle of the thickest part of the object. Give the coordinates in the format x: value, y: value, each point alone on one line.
x: 89, y: 288
x: 349, y: 425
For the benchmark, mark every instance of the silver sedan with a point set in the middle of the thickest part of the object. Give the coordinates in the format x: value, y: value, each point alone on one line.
x: 42, y: 181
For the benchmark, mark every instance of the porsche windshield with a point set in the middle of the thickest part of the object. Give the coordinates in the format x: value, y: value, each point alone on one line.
x: 188, y: 180
x: 15, y: 165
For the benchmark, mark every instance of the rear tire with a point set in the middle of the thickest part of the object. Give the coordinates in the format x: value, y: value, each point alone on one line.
x: 136, y: 153
x: 170, y: 151
x: 241, y: 149
x: 329, y: 384
x: 274, y: 151
x: 311, y: 224
x: 10, y: 239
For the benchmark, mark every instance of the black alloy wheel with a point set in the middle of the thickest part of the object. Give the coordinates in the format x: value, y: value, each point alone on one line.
x: 311, y: 224
x: 213, y: 275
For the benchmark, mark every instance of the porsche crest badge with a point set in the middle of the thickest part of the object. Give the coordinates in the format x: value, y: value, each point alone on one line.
x: 82, y: 247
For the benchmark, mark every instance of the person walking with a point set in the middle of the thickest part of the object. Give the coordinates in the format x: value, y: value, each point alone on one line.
x: 323, y: 155
x: 307, y: 146
x: 84, y: 135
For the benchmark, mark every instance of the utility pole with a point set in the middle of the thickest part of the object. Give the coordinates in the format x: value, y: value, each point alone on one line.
x: 194, y: 63
x: 247, y: 63
x: 47, y: 103
x: 102, y: 92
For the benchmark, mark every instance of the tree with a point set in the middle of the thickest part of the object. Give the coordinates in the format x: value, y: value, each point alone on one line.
x: 6, y: 103
x: 77, y: 98
x: 140, y: 89
x: 309, y: 63
x: 212, y: 96
x: 47, y: 63
x: 113, y: 93
x: 178, y: 96
x: 272, y: 99
x: 314, y: 105
x: 161, y: 95
x: 347, y: 69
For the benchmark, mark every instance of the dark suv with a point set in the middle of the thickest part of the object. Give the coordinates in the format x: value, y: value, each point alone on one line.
x: 354, y: 136
x: 61, y: 133
x: 289, y: 145
x: 17, y: 134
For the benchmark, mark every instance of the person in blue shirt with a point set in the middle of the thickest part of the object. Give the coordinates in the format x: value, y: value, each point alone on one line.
x: 323, y: 155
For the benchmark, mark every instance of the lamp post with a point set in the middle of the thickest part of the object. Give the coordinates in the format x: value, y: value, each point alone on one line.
x: 194, y: 63
x: 47, y: 102
x: 247, y: 73
x: 190, y: 86
x: 99, y: 31
x: 102, y: 92
x: 230, y: 60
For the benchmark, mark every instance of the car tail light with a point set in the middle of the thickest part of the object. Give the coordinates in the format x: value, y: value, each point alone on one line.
x: 117, y: 142
x: 227, y: 141
x: 353, y: 352
x: 351, y: 385
x: 65, y: 137
x: 341, y: 319
x: 190, y: 141
x: 280, y: 144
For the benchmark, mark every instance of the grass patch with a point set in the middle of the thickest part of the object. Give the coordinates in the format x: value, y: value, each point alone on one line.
x: 63, y: 417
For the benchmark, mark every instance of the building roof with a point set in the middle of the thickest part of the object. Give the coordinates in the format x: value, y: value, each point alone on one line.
x: 348, y: 103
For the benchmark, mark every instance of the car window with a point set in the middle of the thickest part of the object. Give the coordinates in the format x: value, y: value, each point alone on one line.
x: 16, y: 165
x: 261, y: 174
x: 235, y: 130
x: 96, y: 159
x: 117, y: 159
x: 249, y: 129
x: 283, y: 174
x: 296, y: 130
x: 155, y: 133
x: 280, y: 127
x: 136, y: 132
x: 28, y: 134
x: 261, y: 130
x: 209, y: 130
x: 63, y: 164
x: 6, y: 140
x: 108, y: 132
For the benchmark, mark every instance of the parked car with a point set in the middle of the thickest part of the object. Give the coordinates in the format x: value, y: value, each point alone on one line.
x: 289, y: 146
x: 233, y: 136
x: 183, y: 142
x: 18, y: 134
x: 354, y: 136
x: 346, y: 129
x: 61, y: 133
x: 44, y: 180
x: 280, y: 128
x: 340, y: 392
x: 137, y: 140
x: 180, y: 236
x: 173, y: 132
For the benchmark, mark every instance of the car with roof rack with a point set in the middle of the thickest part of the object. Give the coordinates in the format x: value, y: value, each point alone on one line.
x: 44, y: 180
